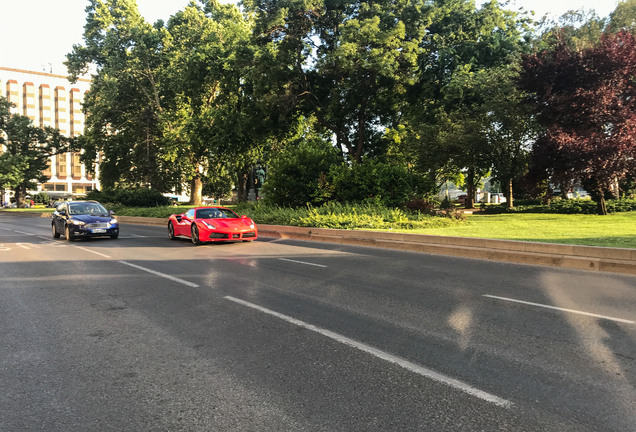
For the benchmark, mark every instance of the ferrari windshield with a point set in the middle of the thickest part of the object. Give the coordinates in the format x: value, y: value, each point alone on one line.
x: 216, y: 213
x: 87, y: 208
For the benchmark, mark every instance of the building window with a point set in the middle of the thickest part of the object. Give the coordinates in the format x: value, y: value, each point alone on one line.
x: 61, y: 165
x: 77, y: 166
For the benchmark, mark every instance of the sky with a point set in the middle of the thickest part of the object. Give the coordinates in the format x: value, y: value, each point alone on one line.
x: 36, y: 35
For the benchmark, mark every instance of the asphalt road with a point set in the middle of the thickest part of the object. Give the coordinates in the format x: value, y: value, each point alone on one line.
x: 147, y: 334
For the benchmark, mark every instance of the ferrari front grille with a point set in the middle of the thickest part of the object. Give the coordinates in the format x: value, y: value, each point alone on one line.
x: 218, y: 235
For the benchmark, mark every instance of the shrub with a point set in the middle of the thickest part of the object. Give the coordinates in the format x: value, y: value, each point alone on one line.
x: 423, y: 205
x: 390, y: 185
x: 297, y: 175
x: 41, y: 197
x: 344, y: 216
x: 446, y: 204
x: 140, y: 197
x: 567, y: 206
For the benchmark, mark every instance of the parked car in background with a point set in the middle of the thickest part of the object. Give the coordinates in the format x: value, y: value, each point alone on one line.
x: 211, y: 224
x: 81, y: 219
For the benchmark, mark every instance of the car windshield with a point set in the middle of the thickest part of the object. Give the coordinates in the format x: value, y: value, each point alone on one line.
x: 87, y: 209
x: 216, y: 213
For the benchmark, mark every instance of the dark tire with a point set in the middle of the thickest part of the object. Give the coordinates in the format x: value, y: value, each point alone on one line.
x: 55, y: 233
x: 67, y: 233
x: 114, y: 236
x: 195, y: 235
x: 171, y: 235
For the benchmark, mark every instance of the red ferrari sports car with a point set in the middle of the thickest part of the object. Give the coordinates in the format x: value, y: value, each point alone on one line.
x: 211, y: 224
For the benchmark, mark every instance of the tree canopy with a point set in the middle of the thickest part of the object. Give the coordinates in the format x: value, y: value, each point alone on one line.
x: 421, y: 88
x: 586, y: 101
x: 27, y: 151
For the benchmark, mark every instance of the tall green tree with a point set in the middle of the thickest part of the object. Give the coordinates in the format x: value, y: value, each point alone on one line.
x: 452, y: 107
x: 125, y: 54
x: 28, y: 150
x: 623, y: 18
x: 346, y: 62
x: 510, y: 127
x: 211, y: 125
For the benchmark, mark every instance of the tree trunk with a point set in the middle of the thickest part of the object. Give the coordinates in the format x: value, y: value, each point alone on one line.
x: 600, y: 205
x: 241, y: 193
x: 509, y: 201
x: 20, y: 196
x: 196, y: 191
x: 470, y: 189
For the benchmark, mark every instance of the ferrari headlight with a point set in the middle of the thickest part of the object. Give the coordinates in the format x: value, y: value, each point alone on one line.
x: 252, y: 225
x: 209, y: 225
x: 77, y: 222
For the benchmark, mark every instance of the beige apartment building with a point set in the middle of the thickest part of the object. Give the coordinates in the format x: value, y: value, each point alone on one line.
x: 51, y: 100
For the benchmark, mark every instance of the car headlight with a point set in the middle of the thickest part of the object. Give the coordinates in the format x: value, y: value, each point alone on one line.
x: 113, y: 221
x: 77, y: 222
x: 252, y: 225
x: 209, y: 225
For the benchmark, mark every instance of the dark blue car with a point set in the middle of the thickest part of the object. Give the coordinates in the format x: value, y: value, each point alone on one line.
x: 78, y: 219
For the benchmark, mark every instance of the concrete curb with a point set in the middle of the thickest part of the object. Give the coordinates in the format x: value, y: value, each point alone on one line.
x: 593, y: 258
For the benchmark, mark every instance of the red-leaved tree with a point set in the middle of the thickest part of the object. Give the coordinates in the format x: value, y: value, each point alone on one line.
x: 586, y: 101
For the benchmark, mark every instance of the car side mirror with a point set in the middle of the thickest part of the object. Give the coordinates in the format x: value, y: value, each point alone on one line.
x: 111, y: 212
x: 243, y: 217
x: 62, y: 212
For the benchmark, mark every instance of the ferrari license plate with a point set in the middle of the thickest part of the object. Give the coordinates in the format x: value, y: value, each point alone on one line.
x: 98, y: 231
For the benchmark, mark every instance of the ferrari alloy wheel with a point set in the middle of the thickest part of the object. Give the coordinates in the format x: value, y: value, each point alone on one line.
x: 195, y: 235
x: 67, y: 233
x: 55, y: 233
x: 171, y: 235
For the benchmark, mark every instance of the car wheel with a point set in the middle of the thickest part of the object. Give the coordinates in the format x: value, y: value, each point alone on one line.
x: 114, y: 236
x: 171, y: 235
x: 55, y: 233
x: 195, y: 235
x: 67, y: 233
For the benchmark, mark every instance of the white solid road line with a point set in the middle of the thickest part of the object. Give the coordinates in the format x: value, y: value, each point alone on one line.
x: 22, y: 232
x: 428, y: 373
x: 562, y: 309
x: 93, y: 252
x: 172, y: 278
x: 302, y: 262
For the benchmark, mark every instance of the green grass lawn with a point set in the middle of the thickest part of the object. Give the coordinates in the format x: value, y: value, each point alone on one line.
x: 40, y: 209
x: 614, y: 230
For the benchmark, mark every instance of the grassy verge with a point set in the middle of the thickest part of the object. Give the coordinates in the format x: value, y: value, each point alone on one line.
x: 36, y: 209
x: 614, y: 230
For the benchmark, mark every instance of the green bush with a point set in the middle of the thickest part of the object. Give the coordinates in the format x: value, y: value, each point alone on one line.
x: 140, y: 197
x: 566, y: 206
x: 388, y: 185
x: 297, y: 175
x: 41, y: 198
x: 344, y: 216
